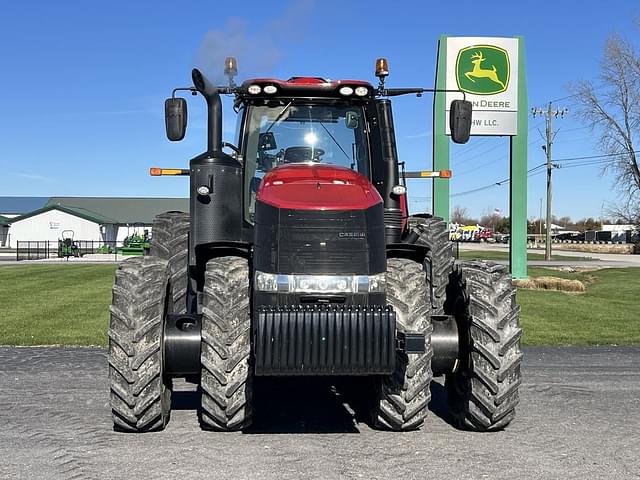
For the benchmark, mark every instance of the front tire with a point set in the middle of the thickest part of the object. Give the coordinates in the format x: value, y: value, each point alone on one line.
x: 226, y: 380
x: 483, y: 394
x: 403, y: 397
x: 140, y: 394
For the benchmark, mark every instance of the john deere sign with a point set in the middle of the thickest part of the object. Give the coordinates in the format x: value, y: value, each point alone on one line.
x: 486, y: 70
x: 482, y: 69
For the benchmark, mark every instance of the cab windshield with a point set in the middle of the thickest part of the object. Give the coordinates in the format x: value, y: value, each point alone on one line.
x: 295, y: 132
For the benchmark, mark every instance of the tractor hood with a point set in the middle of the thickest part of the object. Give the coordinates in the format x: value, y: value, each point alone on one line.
x: 317, y: 186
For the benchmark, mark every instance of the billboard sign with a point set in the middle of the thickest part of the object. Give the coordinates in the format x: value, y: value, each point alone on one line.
x: 486, y: 69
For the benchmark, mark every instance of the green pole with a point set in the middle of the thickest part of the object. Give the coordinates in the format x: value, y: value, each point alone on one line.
x: 440, y: 194
x: 518, y: 186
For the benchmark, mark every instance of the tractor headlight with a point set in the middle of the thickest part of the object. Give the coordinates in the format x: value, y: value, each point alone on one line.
x: 346, y: 91
x: 271, y: 282
x: 362, y: 91
x: 266, y: 282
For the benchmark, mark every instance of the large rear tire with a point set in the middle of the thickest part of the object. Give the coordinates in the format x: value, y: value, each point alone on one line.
x: 170, y: 241
x: 226, y: 379
x: 140, y: 394
x: 433, y: 233
x: 403, y: 397
x: 483, y: 393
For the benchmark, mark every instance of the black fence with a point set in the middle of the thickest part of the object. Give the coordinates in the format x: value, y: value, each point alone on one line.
x: 42, y: 250
x: 34, y: 250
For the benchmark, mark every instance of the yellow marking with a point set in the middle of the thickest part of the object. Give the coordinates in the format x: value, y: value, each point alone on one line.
x: 156, y: 172
x: 436, y: 173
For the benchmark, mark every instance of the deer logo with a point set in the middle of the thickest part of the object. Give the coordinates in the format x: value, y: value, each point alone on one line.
x: 479, y: 72
x: 482, y: 69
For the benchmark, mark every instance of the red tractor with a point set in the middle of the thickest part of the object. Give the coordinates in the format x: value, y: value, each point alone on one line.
x: 298, y: 257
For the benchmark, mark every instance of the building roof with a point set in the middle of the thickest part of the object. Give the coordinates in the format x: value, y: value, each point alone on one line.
x: 20, y: 205
x: 71, y: 211
x: 121, y: 210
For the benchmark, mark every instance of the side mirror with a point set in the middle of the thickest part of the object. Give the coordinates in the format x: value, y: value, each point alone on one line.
x: 460, y: 120
x: 175, y: 118
x: 267, y: 141
x: 351, y: 119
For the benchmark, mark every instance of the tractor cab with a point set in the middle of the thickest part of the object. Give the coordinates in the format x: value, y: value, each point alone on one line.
x: 300, y: 121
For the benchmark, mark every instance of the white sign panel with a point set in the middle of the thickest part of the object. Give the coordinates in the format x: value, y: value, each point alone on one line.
x: 486, y: 69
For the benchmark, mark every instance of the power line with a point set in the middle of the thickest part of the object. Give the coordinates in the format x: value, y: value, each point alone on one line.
x: 538, y: 170
x: 604, y: 155
x: 565, y: 130
x: 491, y: 162
x: 530, y: 173
x: 584, y: 164
x: 569, y: 140
x: 477, y: 143
x: 535, y: 171
x: 596, y: 88
x: 463, y: 160
x: 478, y: 154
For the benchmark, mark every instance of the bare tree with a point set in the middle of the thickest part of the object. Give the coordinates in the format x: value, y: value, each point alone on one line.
x: 564, y: 221
x: 460, y: 215
x: 613, y: 109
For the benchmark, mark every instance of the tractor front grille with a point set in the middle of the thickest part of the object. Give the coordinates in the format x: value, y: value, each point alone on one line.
x: 319, y: 242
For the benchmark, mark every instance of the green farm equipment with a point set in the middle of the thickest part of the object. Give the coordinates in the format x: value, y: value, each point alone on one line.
x: 136, y: 244
x: 66, y: 246
x: 104, y: 249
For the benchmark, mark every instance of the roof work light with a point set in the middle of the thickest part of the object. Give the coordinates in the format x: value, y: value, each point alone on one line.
x: 230, y: 69
x: 382, y: 68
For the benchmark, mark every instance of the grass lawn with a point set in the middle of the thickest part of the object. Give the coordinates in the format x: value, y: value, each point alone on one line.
x: 607, y: 313
x: 55, y: 304
x: 69, y: 305
x: 498, y: 255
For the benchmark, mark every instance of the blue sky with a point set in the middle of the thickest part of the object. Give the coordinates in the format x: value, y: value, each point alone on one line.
x: 83, y: 87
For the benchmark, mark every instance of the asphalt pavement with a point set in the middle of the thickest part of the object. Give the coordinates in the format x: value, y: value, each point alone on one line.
x: 579, y: 418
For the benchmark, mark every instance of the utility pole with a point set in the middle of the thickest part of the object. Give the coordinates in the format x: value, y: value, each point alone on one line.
x: 549, y: 137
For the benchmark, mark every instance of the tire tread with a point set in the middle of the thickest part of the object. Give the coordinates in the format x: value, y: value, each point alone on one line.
x: 404, y: 396
x: 139, y: 395
x: 484, y: 395
x: 226, y: 380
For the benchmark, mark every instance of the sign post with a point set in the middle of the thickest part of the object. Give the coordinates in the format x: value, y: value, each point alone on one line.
x: 440, y: 196
x: 518, y: 184
x: 491, y: 72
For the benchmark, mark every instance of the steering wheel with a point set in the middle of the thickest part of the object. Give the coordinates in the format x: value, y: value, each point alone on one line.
x: 302, y: 154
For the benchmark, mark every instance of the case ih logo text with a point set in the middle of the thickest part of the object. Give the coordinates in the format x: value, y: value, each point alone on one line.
x: 482, y: 69
x: 352, y: 235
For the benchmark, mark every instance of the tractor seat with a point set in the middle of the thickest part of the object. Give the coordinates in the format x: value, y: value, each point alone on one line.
x: 302, y: 154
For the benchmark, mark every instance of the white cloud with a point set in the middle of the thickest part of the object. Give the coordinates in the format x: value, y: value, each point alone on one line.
x: 31, y: 176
